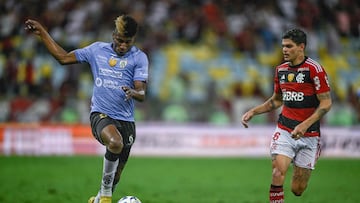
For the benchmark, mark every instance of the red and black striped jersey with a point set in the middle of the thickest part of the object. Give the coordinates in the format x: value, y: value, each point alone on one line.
x: 298, y: 86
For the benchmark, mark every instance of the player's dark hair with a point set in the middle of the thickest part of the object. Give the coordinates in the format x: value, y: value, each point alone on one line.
x: 126, y: 26
x: 296, y: 35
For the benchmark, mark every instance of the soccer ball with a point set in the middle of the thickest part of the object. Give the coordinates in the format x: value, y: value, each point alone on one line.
x: 129, y: 199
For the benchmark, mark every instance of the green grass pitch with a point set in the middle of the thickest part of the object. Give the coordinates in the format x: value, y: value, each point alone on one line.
x: 73, y: 179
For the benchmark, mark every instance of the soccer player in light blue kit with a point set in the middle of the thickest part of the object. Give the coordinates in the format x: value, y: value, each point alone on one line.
x: 120, y: 73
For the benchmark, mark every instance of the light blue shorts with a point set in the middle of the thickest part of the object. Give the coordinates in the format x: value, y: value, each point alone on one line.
x: 304, y: 152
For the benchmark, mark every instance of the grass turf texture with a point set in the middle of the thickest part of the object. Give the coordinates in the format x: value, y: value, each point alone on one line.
x: 170, y: 180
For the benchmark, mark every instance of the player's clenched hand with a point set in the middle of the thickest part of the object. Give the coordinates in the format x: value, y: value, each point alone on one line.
x: 298, y: 132
x: 128, y: 92
x: 33, y: 26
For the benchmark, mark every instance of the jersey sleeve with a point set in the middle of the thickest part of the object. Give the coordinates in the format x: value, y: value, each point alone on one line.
x: 320, y: 79
x: 276, y: 82
x: 84, y: 55
x: 142, y: 67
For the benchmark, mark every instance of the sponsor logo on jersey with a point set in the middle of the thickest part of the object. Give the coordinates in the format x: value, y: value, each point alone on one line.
x: 110, y: 72
x: 111, y: 84
x: 292, y: 96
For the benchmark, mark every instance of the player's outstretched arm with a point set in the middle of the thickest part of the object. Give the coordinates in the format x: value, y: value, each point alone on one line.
x: 62, y: 56
x: 274, y: 102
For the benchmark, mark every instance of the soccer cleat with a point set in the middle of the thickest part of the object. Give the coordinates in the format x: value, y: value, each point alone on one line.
x: 105, y: 199
x: 91, y: 199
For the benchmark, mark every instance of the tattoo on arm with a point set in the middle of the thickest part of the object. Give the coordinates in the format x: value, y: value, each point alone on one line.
x: 321, y: 112
x: 324, y: 96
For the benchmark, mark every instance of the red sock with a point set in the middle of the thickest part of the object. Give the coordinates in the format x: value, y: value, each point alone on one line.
x: 276, y: 194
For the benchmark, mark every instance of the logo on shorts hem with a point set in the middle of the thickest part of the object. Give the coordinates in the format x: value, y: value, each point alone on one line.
x: 102, y: 115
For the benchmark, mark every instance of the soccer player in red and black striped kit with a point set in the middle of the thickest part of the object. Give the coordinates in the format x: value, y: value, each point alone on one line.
x: 302, y: 88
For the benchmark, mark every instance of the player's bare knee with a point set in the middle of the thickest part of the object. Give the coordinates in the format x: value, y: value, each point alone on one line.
x: 115, y: 145
x: 277, y: 173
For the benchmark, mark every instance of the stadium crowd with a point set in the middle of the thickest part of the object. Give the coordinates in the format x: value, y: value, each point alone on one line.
x: 209, y: 59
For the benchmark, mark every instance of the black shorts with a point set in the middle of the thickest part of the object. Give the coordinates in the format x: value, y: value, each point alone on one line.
x: 126, y: 128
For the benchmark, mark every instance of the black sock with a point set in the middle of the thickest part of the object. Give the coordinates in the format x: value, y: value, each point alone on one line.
x: 111, y: 156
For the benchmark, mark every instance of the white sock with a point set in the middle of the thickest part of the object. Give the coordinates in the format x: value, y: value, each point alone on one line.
x: 97, y: 198
x: 109, y: 169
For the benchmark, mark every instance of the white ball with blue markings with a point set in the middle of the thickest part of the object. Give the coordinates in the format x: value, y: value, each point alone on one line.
x: 129, y: 199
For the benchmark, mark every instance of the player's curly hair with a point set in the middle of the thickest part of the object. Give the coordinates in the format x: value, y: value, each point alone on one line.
x: 126, y: 26
x: 296, y: 35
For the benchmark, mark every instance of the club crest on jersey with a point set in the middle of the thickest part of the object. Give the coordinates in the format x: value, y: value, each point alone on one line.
x: 123, y: 63
x: 291, y: 77
x: 300, y: 78
x: 112, y: 62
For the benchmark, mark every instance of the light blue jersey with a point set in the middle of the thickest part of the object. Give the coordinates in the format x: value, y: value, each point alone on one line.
x: 111, y: 72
